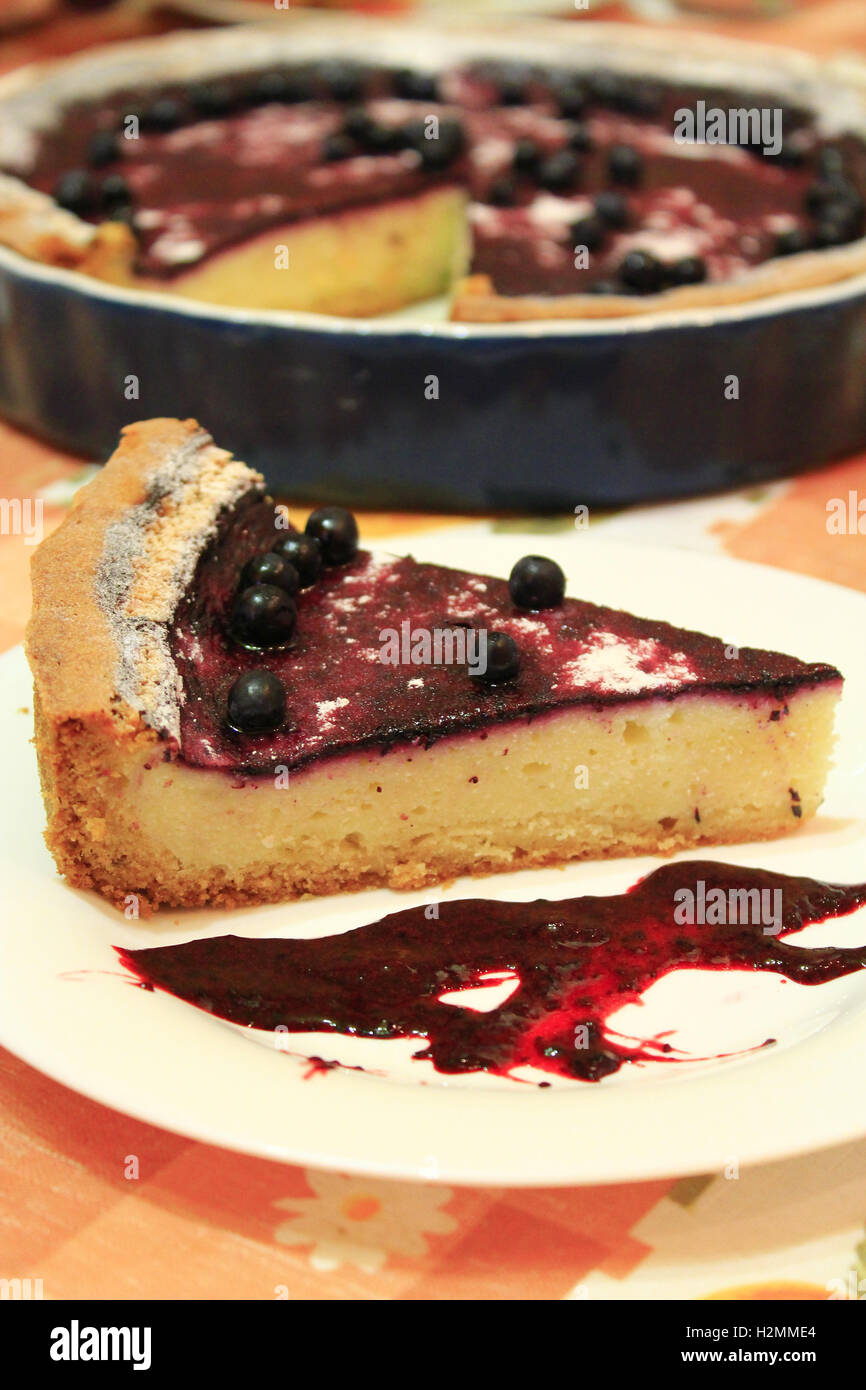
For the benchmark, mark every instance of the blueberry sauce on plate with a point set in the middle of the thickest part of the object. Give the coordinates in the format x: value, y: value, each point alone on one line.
x: 573, y: 963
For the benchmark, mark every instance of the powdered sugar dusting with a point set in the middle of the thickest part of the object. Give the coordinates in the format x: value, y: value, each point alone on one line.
x: 626, y: 668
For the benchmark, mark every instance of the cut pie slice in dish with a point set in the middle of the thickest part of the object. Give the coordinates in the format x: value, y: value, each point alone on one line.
x: 229, y: 711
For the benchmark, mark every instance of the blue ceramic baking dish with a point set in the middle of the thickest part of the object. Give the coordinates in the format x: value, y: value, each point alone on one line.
x: 529, y: 417
x: 412, y: 412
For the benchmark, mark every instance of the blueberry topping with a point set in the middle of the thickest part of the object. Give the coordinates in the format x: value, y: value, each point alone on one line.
x: 305, y: 554
x: 271, y: 568
x: 791, y: 155
x: 415, y: 86
x: 503, y: 658
x: 642, y: 272
x: 115, y: 192
x: 438, y: 151
x: 831, y: 163
x: 527, y: 157
x: 256, y: 702
x: 589, y: 232
x: 612, y: 208
x: 579, y: 138
x: 283, y: 87
x: 536, y: 582
x: 210, y: 99
x: 163, y: 114
x: 837, y: 224
x: 846, y: 214
x: 122, y: 212
x: 829, y: 190
x: 513, y: 90
x: 103, y: 148
x: 263, y: 616
x: 624, y: 164
x: 558, y: 172
x: 336, y: 530
x: 384, y: 139
x: 690, y: 270
x: 603, y: 287
x: 606, y: 88
x: 570, y: 96
x: 338, y: 146
x: 343, y: 81
x: 502, y: 193
x: 792, y: 241
x: 640, y: 98
x: 76, y: 191
x: 358, y: 123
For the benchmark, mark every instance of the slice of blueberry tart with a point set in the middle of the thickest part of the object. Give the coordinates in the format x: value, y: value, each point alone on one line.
x: 573, y: 175
x: 232, y: 710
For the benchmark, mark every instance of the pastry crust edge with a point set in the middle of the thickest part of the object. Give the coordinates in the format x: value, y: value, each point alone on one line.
x: 87, y: 735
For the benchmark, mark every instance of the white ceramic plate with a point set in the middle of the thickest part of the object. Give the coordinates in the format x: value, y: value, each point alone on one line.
x: 68, y: 1008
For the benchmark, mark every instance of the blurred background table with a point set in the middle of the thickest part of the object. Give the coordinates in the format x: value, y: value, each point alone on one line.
x: 201, y: 1222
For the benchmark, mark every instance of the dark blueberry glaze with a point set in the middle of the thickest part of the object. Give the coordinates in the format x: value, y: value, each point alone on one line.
x: 342, y: 698
x: 577, y: 962
x: 275, y: 149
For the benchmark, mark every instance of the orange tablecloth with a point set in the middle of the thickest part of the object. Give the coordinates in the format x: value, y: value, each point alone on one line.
x: 201, y: 1222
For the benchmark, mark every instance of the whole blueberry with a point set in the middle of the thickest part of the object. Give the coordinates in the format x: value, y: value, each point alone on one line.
x: 285, y: 87
x: 503, y: 658
x: 558, y: 172
x: 831, y: 162
x: 606, y: 87
x: 791, y: 242
x: 589, y: 232
x: 256, y: 702
x: 689, y: 270
x: 603, y: 287
x: 102, y: 148
x: 415, y: 86
x: 513, y: 90
x: 305, y: 554
x: 343, y: 81
x: 527, y: 157
x: 579, y: 138
x: 642, y: 272
x: 624, y: 164
x: 570, y: 97
x: 211, y: 99
x: 271, y: 568
x: 263, y: 616
x: 840, y: 220
x: 826, y: 190
x: 336, y: 530
x: 536, y: 582
x: 76, y: 191
x: 837, y: 225
x: 115, y: 192
x: 163, y: 114
x: 640, y: 98
x: 338, y: 146
x: 612, y: 208
x: 358, y: 123
x: 438, y: 151
x: 502, y: 193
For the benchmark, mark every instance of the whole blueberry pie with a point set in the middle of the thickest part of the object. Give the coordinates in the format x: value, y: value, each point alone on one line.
x: 609, y: 180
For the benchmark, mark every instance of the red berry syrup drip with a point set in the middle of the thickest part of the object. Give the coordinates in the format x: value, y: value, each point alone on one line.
x: 577, y: 962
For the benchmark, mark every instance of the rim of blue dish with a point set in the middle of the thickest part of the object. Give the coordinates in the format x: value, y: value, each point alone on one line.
x: 769, y: 306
